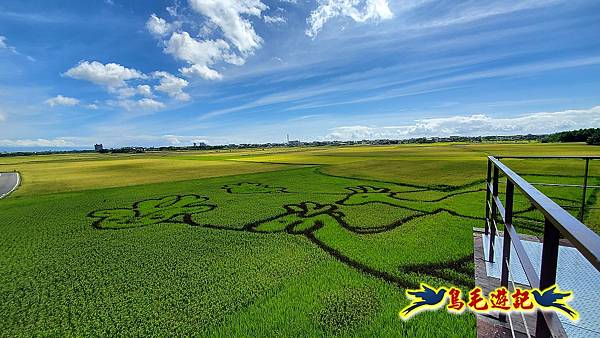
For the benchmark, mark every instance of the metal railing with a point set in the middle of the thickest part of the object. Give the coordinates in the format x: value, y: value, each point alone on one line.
x: 557, y: 222
x: 584, y: 186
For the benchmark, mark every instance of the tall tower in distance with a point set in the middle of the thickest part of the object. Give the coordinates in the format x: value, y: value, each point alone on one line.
x: 288, y: 138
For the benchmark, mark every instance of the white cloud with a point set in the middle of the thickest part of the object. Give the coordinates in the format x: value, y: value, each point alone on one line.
x: 123, y: 92
x: 115, y: 136
x: 274, y: 19
x: 227, y: 18
x: 158, y: 27
x: 207, y: 29
x: 114, y: 78
x: 227, y: 15
x: 172, y: 86
x: 150, y: 104
x: 40, y: 142
x: 111, y: 75
x: 144, y: 90
x: 2, y: 117
x: 476, y: 125
x: 357, y: 10
x: 144, y: 105
x: 201, y: 71
x: 200, y: 55
x: 60, y: 100
x: 188, y: 140
x: 173, y: 10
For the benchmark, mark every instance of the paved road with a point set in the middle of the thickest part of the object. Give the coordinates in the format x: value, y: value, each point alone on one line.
x: 8, y: 183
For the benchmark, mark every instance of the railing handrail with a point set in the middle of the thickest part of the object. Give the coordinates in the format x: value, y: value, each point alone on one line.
x: 556, y: 221
x: 582, y: 157
x: 580, y: 236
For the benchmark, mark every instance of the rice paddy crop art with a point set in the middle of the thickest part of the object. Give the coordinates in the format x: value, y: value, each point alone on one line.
x: 324, y: 223
x: 299, y: 250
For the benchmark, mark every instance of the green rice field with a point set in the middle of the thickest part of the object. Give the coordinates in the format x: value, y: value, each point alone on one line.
x: 266, y: 242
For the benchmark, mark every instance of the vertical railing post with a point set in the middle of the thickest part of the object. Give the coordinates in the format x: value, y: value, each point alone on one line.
x: 585, y: 182
x: 506, y: 240
x: 487, y: 196
x: 494, y: 216
x: 548, y: 271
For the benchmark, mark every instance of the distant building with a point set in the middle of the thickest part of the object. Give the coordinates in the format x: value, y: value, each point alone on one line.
x: 98, y: 147
x: 294, y: 143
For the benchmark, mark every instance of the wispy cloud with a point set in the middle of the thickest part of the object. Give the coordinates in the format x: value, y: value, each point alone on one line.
x: 375, y: 85
x: 461, y: 12
x: 450, y: 81
x: 4, y: 45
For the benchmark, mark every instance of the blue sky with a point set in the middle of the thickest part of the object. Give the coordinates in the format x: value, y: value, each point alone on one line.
x: 73, y: 73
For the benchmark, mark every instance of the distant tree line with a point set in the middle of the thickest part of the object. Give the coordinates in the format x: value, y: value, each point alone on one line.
x: 589, y: 135
x: 49, y: 152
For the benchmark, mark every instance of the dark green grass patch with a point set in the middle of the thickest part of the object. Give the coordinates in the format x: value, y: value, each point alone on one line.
x: 345, y: 310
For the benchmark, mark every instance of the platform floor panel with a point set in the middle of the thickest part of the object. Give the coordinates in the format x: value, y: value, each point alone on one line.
x: 574, y: 273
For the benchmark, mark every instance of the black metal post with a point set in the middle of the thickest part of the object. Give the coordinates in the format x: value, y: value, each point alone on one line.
x: 494, y: 212
x: 510, y: 192
x: 487, y: 196
x: 585, y: 182
x: 548, y: 271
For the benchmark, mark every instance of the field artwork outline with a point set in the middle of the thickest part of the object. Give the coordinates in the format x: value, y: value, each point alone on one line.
x: 168, y: 209
x: 252, y: 188
x: 304, y: 218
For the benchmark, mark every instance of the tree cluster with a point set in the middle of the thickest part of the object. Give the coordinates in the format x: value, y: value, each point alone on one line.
x: 589, y: 135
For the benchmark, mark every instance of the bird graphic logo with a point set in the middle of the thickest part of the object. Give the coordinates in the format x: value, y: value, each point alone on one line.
x: 553, y: 299
x: 425, y: 298
x: 428, y: 298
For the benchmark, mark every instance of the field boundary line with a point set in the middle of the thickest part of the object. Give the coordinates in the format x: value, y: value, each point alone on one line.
x: 285, y: 163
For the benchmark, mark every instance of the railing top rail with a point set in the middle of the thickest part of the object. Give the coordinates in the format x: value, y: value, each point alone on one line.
x: 582, y: 238
x: 583, y: 157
